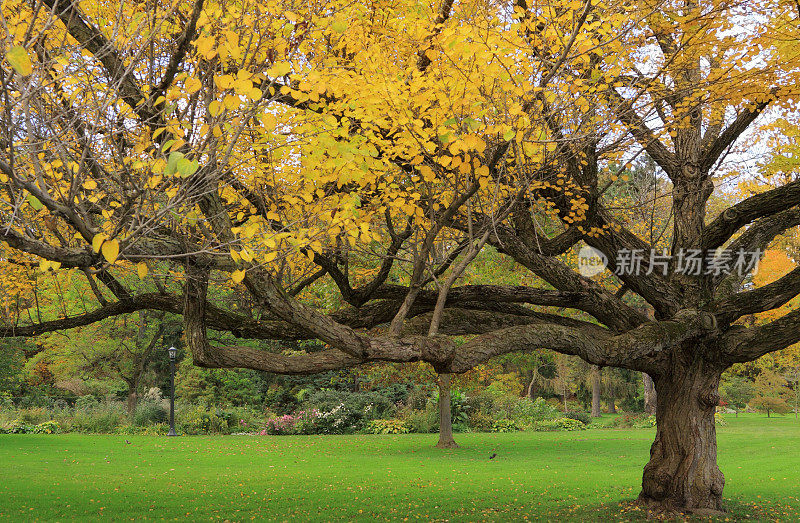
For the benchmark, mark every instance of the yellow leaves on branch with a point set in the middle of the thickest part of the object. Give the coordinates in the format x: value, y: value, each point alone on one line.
x: 108, y: 247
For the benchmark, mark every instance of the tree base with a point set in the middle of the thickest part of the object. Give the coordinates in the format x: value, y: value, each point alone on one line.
x: 447, y: 445
x: 666, y: 509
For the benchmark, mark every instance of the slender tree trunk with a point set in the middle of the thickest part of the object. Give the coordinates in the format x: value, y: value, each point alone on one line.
x: 649, y: 394
x: 131, y: 401
x: 595, y: 391
x: 612, y: 408
x: 530, y: 385
x: 446, y: 440
x: 682, y: 473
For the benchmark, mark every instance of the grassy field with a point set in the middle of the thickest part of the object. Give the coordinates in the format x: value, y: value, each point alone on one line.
x: 587, y: 475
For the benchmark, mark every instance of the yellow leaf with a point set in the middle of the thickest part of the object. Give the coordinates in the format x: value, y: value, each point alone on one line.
x: 281, y: 69
x: 18, y: 57
x: 270, y: 256
x: 97, y: 241
x: 110, y: 250
x: 224, y: 82
x: 269, y: 121
x: 246, y: 255
x: 231, y: 101
x: 192, y: 85
x: 237, y: 276
x: 141, y: 268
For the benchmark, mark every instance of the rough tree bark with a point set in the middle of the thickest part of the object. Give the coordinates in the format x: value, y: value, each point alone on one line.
x: 682, y: 472
x: 649, y: 394
x: 446, y: 440
x: 595, y: 391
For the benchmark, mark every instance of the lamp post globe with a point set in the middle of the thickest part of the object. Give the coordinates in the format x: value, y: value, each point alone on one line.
x: 173, y: 355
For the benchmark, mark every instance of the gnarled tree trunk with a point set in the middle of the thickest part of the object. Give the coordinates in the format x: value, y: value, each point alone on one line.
x: 446, y: 440
x: 682, y: 473
x: 595, y: 391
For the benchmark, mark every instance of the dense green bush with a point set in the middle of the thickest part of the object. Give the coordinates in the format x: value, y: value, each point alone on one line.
x: 387, y: 426
x: 341, y: 412
x: 87, y: 402
x: 504, y: 425
x: 47, y: 427
x: 281, y: 401
x: 583, y: 417
x: 420, y: 421
x: 18, y: 426
x: 198, y: 420
x: 103, y: 419
x: 149, y: 413
x: 559, y: 424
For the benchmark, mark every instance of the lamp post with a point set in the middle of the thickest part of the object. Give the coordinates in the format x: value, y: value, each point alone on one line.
x: 173, y: 354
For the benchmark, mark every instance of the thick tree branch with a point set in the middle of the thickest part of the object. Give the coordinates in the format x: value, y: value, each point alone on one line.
x: 644, y: 348
x: 762, y: 299
x: 741, y: 345
x: 763, y: 204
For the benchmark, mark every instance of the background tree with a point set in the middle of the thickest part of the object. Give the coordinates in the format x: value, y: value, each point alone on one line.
x: 738, y: 392
x: 770, y: 393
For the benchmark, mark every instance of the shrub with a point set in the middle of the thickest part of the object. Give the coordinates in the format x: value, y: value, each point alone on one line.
x: 635, y: 421
x: 6, y: 402
x: 281, y: 401
x: 86, y: 403
x: 149, y: 413
x: 33, y: 415
x: 419, y: 421
x: 395, y: 392
x: 103, y: 419
x: 347, y: 412
x: 559, y: 424
x: 19, y: 427
x: 387, y: 426
x: 646, y: 421
x: 504, y: 425
x: 583, y: 417
x: 48, y: 427
x: 480, y: 421
x: 304, y: 422
x: 200, y: 421
x: 719, y: 419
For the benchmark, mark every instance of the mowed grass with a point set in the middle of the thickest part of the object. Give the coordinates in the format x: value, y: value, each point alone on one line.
x: 587, y: 475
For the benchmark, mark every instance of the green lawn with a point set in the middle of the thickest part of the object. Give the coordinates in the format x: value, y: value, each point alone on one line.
x: 585, y: 475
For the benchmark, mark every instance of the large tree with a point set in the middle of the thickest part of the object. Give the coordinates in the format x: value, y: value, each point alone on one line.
x: 334, y: 168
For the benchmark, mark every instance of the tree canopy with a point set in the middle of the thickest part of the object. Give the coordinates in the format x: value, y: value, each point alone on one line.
x: 329, y: 171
